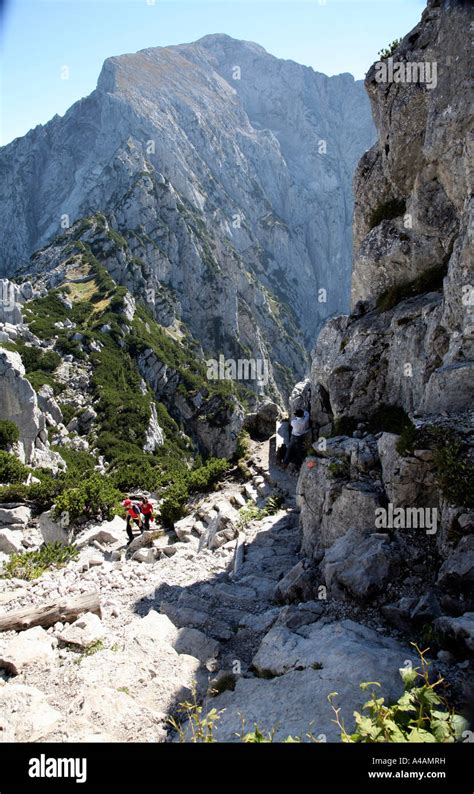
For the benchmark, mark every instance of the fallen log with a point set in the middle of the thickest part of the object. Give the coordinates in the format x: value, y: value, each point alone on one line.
x: 64, y: 611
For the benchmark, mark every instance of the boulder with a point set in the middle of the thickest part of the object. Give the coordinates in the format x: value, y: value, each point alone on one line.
x: 300, y: 397
x: 262, y: 422
x: 25, y: 714
x: 48, y: 404
x: 329, y: 506
x: 53, y: 531
x: 308, y: 666
x: 155, y: 626
x: 297, y: 585
x: 195, y: 643
x: 107, y: 532
x: 15, y: 515
x: 409, y: 481
x: 449, y: 389
x: 456, y: 634
x: 456, y: 574
x: 11, y: 542
x: 145, y: 555
x: 84, y: 632
x: 33, y: 646
x: 360, y: 564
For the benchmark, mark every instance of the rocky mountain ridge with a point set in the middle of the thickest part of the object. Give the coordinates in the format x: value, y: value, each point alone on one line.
x: 230, y: 199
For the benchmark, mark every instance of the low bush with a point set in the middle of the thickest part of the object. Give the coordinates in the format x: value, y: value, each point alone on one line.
x: 340, y: 469
x: 452, y: 462
x: 200, y: 480
x: 31, y: 564
x: 9, y: 433
x: 94, y: 497
x: 455, y: 473
x: 11, y: 470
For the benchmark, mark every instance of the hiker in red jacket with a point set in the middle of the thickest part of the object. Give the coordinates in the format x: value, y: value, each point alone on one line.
x: 147, y: 511
x: 133, y: 516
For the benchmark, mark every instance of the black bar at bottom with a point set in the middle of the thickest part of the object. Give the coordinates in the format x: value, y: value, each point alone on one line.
x: 232, y: 768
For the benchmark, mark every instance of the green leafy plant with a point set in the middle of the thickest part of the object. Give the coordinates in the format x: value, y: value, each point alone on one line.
x: 455, y: 473
x: 389, y: 50
x: 200, y: 727
x: 31, y: 564
x: 94, y: 497
x: 11, y: 470
x: 9, y: 433
x: 199, y: 480
x: 340, y: 468
x: 419, y: 715
x: 251, y: 512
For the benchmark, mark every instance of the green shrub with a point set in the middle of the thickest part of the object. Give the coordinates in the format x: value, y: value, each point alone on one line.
x: 251, y: 512
x: 389, y: 50
x: 387, y: 211
x: 31, y: 564
x: 419, y: 715
x: 200, y: 480
x: 94, y: 497
x: 11, y: 470
x: 78, y: 462
x: 9, y: 433
x: 453, y: 466
x: 455, y: 473
x: 340, y: 469
x: 204, y: 477
x: 243, y: 445
x: 134, y: 475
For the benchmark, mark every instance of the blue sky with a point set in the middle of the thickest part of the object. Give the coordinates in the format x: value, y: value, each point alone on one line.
x: 40, y: 37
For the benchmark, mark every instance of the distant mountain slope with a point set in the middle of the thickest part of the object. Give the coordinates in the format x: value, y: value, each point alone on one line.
x: 233, y: 195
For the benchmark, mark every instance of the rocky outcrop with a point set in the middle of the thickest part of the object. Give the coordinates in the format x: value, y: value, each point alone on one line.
x: 19, y: 404
x: 417, y: 351
x: 204, y: 182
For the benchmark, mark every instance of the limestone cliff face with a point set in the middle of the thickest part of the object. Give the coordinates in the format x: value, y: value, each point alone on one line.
x: 226, y: 171
x: 409, y: 340
x: 406, y: 348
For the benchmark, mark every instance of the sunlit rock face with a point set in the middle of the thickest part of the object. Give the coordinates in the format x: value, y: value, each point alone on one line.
x: 227, y: 171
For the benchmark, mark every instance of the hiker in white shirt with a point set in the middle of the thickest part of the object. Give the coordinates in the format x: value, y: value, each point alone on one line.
x: 299, y: 428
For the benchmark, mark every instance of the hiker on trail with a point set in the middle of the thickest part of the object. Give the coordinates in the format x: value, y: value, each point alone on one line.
x: 146, y: 508
x: 134, y: 516
x: 299, y: 427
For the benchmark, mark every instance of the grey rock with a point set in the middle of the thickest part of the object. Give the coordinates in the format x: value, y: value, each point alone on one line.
x: 297, y: 585
x: 15, y: 516
x: 52, y: 531
x: 360, y: 565
x: 456, y: 633
x: 25, y: 714
x: 31, y: 647
x: 457, y: 572
x: 295, y: 702
x: 84, y: 632
x: 11, y: 542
